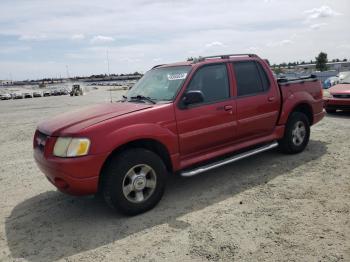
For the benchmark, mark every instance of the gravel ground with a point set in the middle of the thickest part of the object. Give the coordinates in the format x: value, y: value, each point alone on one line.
x: 270, y: 207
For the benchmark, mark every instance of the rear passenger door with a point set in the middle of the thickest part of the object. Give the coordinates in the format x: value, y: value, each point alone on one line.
x: 258, y: 100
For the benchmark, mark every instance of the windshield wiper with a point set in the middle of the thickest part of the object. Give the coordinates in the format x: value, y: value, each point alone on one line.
x: 141, y: 97
x: 124, y: 98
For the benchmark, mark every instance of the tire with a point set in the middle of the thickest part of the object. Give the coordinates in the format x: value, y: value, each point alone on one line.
x: 134, y: 181
x: 331, y: 111
x: 296, y: 135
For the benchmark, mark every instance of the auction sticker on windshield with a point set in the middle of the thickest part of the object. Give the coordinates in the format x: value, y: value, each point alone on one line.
x: 177, y: 76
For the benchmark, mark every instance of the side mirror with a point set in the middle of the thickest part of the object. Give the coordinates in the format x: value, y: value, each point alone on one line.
x: 193, y: 97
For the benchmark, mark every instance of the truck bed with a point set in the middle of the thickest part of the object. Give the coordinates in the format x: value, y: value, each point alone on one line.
x: 305, y: 90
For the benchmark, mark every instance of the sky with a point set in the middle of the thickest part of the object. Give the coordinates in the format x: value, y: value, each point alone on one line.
x: 53, y: 38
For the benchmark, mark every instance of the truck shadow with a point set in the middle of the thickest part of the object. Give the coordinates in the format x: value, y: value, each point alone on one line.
x: 339, y: 114
x: 54, y: 226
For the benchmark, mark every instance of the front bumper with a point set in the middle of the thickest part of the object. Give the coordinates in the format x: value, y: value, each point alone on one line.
x: 337, y: 103
x: 75, y: 176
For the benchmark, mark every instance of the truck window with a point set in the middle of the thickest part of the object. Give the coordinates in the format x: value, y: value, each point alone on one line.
x: 212, y: 80
x: 248, y: 78
x: 264, y: 79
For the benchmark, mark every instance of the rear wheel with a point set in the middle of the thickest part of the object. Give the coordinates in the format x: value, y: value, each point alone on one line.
x: 135, y: 181
x: 296, y: 134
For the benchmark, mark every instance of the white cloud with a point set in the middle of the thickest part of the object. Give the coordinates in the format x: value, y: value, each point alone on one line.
x: 317, y: 26
x: 280, y: 43
x: 344, y: 46
x: 29, y: 37
x: 321, y: 12
x: 75, y: 56
x: 157, y: 59
x: 13, y: 49
x: 285, y: 42
x: 78, y: 37
x: 214, y: 44
x: 253, y: 49
x: 100, y: 39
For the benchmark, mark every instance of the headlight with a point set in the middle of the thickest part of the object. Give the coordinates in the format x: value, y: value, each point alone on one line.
x: 327, y: 94
x: 71, y: 147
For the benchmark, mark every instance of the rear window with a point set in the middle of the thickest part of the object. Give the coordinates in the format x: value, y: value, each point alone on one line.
x: 250, y: 77
x: 264, y: 79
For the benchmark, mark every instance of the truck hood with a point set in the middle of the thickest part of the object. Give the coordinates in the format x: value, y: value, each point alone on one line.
x: 340, y: 89
x: 75, y: 121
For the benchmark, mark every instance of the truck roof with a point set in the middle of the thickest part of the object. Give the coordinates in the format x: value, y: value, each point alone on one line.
x: 210, y: 59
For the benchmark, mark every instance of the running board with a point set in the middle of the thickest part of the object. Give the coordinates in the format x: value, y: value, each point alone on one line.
x: 226, y: 161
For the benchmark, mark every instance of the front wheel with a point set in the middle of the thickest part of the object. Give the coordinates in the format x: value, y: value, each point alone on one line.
x: 135, y: 181
x: 297, y: 134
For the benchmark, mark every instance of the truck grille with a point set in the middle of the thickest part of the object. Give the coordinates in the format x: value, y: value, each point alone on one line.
x: 342, y: 96
x: 40, y: 141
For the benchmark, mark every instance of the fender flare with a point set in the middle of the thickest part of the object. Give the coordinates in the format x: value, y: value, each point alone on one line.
x: 143, y: 131
x: 292, y: 102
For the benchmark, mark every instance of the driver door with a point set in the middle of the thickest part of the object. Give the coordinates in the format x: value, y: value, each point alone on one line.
x: 209, y: 124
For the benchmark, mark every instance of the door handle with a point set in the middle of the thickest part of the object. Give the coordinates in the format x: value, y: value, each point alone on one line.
x: 271, y: 99
x: 228, y: 108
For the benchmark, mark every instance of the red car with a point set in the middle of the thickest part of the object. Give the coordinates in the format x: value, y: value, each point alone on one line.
x: 338, y: 97
x: 183, y: 118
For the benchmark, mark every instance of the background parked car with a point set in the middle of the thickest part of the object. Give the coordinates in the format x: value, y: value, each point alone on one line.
x: 331, y: 81
x: 64, y: 92
x: 18, y: 96
x: 56, y: 93
x: 27, y: 95
x: 37, y: 94
x: 47, y: 93
x: 343, y: 75
x: 5, y: 97
x: 338, y: 97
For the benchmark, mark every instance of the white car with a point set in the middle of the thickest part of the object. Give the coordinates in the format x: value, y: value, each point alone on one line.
x: 343, y: 75
x: 5, y: 97
x: 18, y: 96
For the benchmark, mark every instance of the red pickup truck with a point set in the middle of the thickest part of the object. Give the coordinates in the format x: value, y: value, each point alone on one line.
x: 184, y: 118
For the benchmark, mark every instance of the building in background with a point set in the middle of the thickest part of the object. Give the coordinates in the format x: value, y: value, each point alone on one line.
x: 332, y: 66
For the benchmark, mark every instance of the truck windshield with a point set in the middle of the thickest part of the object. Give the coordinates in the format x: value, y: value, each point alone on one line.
x: 160, y: 84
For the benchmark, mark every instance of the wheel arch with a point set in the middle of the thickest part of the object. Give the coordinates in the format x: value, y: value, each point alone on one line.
x: 147, y: 143
x: 306, y: 109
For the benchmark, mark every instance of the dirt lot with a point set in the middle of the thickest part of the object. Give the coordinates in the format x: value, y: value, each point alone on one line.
x: 270, y: 207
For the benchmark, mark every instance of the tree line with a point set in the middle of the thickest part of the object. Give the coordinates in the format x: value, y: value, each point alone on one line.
x: 321, y: 62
